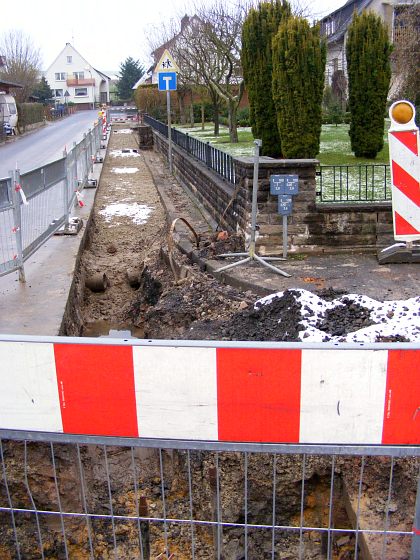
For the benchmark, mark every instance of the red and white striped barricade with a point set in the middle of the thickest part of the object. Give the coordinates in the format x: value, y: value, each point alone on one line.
x: 405, y: 171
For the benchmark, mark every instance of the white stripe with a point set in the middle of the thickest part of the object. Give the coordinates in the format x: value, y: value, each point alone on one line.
x: 404, y: 157
x: 176, y: 392
x: 29, y: 394
x: 342, y: 396
x: 410, y: 211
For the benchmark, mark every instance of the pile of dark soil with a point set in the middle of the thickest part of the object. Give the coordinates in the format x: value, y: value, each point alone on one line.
x: 345, y: 319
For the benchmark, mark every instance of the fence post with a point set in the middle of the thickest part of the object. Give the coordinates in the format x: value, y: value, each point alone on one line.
x: 66, y: 190
x: 86, y: 166
x: 415, y: 547
x: 208, y: 154
x: 17, y: 216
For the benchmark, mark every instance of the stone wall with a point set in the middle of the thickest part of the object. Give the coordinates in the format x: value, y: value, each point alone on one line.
x: 312, y: 227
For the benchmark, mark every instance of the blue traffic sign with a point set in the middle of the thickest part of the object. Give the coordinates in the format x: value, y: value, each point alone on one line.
x: 284, y: 184
x: 167, y: 81
x: 285, y: 205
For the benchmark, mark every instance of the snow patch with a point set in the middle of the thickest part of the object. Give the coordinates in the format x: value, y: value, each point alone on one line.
x: 124, y: 169
x: 394, y: 318
x: 124, y: 131
x: 124, y: 153
x: 139, y: 213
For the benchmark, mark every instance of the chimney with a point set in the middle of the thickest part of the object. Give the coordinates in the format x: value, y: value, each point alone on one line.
x: 184, y: 22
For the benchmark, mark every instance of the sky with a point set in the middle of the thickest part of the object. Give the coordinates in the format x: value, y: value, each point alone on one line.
x: 107, y: 33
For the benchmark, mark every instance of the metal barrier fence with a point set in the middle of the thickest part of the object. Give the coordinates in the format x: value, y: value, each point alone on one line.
x: 34, y: 205
x: 217, y: 160
x: 93, y: 497
x: 354, y: 183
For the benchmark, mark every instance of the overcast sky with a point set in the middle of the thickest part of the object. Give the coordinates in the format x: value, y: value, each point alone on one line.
x: 105, y: 33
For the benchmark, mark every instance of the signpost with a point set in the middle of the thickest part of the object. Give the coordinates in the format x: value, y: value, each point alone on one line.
x: 167, y: 70
x: 285, y: 186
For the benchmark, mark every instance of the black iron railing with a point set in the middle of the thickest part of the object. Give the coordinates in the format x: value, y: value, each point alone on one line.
x: 217, y: 160
x: 354, y: 183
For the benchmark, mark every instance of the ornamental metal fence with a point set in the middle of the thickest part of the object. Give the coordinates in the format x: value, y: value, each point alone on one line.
x: 354, y: 183
x: 36, y: 204
x: 219, y: 161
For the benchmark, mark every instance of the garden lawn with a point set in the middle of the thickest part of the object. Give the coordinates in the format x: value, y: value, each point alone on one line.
x: 334, y: 150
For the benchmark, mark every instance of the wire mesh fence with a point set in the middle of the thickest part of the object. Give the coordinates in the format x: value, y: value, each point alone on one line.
x: 96, y: 498
x: 34, y: 205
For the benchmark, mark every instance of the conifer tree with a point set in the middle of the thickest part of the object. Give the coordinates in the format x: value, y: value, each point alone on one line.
x: 299, y: 57
x: 369, y: 72
x: 260, y: 25
x: 130, y: 72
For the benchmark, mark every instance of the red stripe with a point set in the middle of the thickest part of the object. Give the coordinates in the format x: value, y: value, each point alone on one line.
x: 405, y: 183
x: 402, y: 402
x: 96, y: 388
x: 258, y: 394
x: 409, y: 139
x: 402, y: 227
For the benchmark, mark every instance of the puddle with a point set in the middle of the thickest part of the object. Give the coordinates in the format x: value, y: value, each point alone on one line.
x: 108, y: 329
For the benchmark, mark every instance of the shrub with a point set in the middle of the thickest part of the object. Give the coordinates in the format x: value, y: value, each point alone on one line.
x: 29, y: 113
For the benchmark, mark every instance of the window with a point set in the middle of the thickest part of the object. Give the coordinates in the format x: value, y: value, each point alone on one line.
x: 58, y: 93
x: 12, y: 108
x: 80, y: 92
x: 69, y: 59
x: 60, y: 76
x: 79, y: 75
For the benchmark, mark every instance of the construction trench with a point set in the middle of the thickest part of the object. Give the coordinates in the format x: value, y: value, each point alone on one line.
x: 132, y: 281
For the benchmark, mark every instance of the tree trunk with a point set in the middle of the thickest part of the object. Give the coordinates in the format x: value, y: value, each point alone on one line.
x: 216, y: 119
x: 192, y: 115
x: 233, y: 124
x: 203, y: 122
x: 181, y: 104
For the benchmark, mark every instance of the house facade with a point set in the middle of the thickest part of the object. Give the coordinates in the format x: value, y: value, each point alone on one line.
x: 334, y: 27
x: 73, y: 79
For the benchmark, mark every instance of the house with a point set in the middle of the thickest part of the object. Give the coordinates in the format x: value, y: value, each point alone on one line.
x: 73, y: 79
x: 334, y: 27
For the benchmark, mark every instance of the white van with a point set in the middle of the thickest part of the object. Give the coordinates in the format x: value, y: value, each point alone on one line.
x: 8, y: 110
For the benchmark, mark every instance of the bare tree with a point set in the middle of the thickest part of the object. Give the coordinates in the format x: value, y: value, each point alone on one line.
x: 22, y: 61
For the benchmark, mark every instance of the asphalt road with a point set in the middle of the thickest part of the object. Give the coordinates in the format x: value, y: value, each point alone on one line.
x: 46, y: 144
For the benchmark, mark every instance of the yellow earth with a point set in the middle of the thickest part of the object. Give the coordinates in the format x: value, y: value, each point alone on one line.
x: 402, y: 113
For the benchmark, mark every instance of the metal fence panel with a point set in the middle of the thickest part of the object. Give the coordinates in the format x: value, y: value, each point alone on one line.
x: 8, y: 230
x: 134, y: 501
x: 354, y: 183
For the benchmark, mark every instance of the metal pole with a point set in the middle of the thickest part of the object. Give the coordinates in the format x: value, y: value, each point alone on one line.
x: 17, y: 215
x: 257, y: 144
x: 66, y: 191
x: 284, y: 237
x: 168, y: 106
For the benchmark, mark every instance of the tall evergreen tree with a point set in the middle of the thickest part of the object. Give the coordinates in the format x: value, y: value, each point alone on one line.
x: 299, y: 57
x: 368, y: 65
x: 130, y: 72
x: 260, y: 26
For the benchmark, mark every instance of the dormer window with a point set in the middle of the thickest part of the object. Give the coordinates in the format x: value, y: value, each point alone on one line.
x: 69, y: 59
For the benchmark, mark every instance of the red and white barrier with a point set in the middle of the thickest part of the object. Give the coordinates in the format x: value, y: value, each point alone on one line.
x: 222, y: 394
x: 404, y: 146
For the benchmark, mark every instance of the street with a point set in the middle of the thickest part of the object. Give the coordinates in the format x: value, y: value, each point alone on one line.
x: 46, y: 144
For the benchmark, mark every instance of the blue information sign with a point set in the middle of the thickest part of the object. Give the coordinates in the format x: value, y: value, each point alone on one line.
x: 285, y: 205
x: 167, y: 81
x: 284, y: 184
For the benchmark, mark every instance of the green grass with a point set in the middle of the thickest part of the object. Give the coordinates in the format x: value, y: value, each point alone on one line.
x: 334, y: 149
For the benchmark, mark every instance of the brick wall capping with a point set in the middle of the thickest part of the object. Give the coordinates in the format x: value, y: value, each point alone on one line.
x: 353, y: 206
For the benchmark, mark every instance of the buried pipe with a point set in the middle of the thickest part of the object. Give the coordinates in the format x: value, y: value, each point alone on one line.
x: 97, y: 282
x: 171, y: 244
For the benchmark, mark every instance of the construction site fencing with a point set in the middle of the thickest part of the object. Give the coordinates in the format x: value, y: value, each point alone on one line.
x: 36, y: 204
x: 149, y: 499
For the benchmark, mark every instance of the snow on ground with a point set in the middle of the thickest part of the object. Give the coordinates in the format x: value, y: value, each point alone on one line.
x: 124, y: 153
x: 139, y: 213
x: 124, y: 131
x: 124, y: 169
x: 399, y: 318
